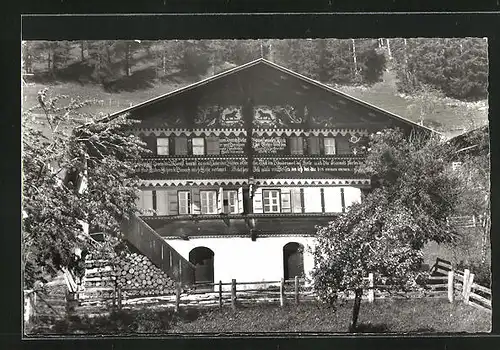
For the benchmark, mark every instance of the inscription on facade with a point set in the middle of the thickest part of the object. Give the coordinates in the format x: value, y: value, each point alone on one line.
x: 232, y: 145
x: 269, y: 145
x: 278, y: 165
x: 200, y: 166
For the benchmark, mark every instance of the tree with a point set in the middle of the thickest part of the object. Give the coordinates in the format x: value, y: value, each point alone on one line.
x: 57, y: 151
x: 474, y: 197
x: 413, y: 194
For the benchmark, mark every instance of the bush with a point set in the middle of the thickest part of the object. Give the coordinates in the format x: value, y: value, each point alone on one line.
x: 481, y: 271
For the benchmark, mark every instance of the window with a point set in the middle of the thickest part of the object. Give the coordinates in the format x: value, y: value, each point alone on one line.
x: 271, y: 199
x: 198, y: 146
x: 296, y: 145
x: 213, y: 145
x: 181, y: 146
x: 208, y: 202
x: 184, y: 202
x: 329, y: 145
x: 313, y: 145
x: 230, y: 200
x: 162, y: 146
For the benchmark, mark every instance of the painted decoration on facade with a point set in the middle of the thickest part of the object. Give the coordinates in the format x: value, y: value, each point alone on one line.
x: 231, y: 117
x: 232, y: 144
x: 177, y: 167
x: 269, y: 145
x: 172, y: 120
x: 280, y: 165
x: 218, y: 116
x: 276, y: 116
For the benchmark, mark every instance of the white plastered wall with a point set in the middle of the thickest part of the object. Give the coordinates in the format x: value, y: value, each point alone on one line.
x: 246, y: 260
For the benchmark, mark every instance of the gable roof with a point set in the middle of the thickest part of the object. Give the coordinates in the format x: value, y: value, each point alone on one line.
x: 275, y: 66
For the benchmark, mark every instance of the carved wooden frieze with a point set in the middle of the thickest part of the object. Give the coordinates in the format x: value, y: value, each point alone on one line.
x: 219, y: 117
x: 276, y: 116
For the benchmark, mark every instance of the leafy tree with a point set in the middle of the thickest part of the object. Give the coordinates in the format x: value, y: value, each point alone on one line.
x: 56, y: 197
x: 414, y: 192
x: 474, y: 197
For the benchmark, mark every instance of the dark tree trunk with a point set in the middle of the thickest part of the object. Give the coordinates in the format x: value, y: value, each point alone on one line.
x: 358, y: 293
x: 81, y: 50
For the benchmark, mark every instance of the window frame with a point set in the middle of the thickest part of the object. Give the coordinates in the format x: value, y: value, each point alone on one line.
x: 202, y: 146
x: 204, y: 210
x: 188, y: 202
x: 327, y: 146
x: 214, y: 140
x: 270, y: 205
x: 226, y: 195
x: 164, y: 147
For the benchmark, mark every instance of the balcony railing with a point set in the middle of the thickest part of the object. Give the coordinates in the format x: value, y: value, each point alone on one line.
x: 152, y: 245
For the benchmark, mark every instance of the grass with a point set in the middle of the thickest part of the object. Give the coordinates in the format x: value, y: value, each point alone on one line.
x: 382, y: 316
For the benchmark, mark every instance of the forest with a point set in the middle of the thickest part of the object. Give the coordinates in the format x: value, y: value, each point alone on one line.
x: 457, y: 67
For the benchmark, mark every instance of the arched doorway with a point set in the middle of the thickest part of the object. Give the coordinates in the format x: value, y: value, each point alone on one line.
x: 203, y: 260
x: 293, y: 260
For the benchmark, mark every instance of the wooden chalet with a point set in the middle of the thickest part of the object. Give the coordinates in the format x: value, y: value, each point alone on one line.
x: 245, y: 164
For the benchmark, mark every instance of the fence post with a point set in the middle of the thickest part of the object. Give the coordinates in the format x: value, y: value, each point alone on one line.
x: 469, y: 287
x: 220, y: 294
x: 282, y: 292
x: 297, y: 290
x: 177, y: 296
x: 119, y: 298
x: 465, y: 282
x: 371, y: 290
x: 233, y: 294
x: 451, y: 289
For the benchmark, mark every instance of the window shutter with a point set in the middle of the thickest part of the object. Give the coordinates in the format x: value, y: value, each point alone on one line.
x: 257, y: 201
x: 213, y: 145
x: 286, y: 206
x: 295, y: 200
x: 313, y: 145
x: 333, y: 203
x: 161, y: 202
x: 139, y: 200
x: 220, y: 193
x: 312, y: 200
x: 195, y: 202
x: 240, y: 200
x: 351, y: 195
x: 148, y: 202
x: 173, y: 206
x: 342, y: 145
x: 296, y: 145
x: 181, y: 146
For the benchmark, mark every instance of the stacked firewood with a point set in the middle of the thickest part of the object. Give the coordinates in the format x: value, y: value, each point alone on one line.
x: 137, y: 275
x: 134, y: 274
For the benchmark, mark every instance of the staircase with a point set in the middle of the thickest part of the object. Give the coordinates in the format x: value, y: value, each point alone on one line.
x: 149, y: 243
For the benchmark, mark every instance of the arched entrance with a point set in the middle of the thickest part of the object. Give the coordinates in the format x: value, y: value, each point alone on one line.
x: 293, y: 260
x: 203, y: 259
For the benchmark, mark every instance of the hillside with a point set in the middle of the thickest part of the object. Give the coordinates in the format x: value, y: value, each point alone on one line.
x: 448, y: 115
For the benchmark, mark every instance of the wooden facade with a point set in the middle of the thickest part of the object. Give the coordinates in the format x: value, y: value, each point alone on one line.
x: 253, y: 152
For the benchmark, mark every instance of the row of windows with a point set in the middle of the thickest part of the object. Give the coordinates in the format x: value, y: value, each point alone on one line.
x: 315, y: 145
x: 173, y: 202
x: 229, y: 201
x: 306, y: 200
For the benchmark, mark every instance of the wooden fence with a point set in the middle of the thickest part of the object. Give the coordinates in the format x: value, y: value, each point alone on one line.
x: 471, y: 292
x: 442, y: 283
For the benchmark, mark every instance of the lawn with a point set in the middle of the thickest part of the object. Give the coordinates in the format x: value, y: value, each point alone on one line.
x: 382, y: 316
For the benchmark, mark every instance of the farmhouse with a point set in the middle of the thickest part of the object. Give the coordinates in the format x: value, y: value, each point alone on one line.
x: 245, y: 164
